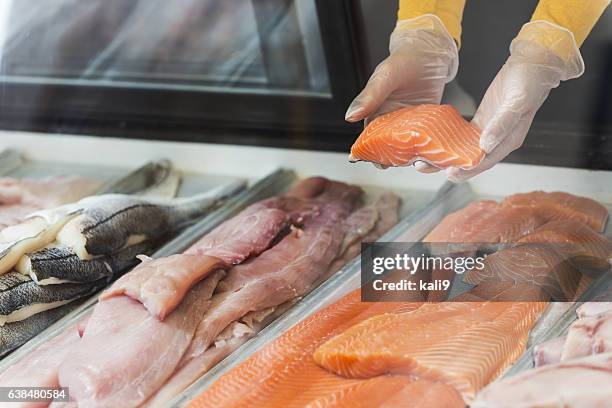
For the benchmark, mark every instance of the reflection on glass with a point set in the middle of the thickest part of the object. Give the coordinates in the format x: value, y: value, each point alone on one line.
x: 241, y: 45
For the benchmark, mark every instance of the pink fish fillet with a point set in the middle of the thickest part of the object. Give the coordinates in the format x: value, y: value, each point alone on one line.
x: 580, y: 383
x: 21, y: 197
x: 232, y: 337
x: 46, y: 192
x: 126, y: 354
x: 366, y: 224
x: 252, y: 231
x: 186, y: 375
x: 39, y: 367
x: 161, y: 284
x: 245, y: 235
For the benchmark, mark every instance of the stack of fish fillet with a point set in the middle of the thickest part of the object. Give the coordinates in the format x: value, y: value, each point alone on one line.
x: 162, y: 325
x: 59, y: 255
x: 432, y: 354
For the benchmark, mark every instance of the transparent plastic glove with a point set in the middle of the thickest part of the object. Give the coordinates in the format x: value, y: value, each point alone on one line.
x: 520, y: 88
x: 423, y: 58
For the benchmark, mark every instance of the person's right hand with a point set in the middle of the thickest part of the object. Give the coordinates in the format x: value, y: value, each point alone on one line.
x: 423, y: 58
x: 520, y: 88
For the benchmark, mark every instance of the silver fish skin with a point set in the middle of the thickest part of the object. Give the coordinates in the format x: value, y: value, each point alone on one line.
x: 158, y: 178
x: 14, y: 335
x: 107, y: 223
x: 60, y: 264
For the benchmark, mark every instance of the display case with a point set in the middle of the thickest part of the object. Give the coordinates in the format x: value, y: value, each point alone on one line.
x: 254, y: 92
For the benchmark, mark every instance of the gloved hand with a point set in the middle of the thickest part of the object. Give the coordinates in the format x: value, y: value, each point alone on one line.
x: 423, y: 58
x: 541, y: 56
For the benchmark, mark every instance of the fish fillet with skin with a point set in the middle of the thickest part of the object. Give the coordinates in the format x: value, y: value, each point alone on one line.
x: 283, y: 373
x: 579, y: 383
x: 111, y: 222
x: 462, y: 344
x: 559, y: 205
x: 161, y: 284
x: 13, y: 335
x: 58, y: 264
x: 126, y: 354
x: 436, y: 134
x: 21, y: 297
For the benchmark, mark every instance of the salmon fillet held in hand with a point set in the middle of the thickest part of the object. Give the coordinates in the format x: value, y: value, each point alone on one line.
x: 436, y: 134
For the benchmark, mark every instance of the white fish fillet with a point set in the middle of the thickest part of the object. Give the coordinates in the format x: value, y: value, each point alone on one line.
x: 588, y: 335
x: 580, y: 383
x: 548, y: 352
x: 589, y: 309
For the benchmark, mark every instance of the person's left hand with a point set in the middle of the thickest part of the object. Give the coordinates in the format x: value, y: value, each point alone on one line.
x: 518, y: 91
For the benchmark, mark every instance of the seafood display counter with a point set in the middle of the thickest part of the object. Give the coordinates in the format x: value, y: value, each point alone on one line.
x: 257, y: 300
x: 343, y: 214
x: 312, y: 355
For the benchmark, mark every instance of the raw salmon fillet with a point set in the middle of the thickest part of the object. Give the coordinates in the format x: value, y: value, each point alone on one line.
x: 462, y: 344
x: 486, y: 222
x: 537, y: 264
x: 437, y: 134
x: 392, y: 391
x: 508, y: 292
x: 586, y: 247
x: 283, y: 374
x: 559, y: 205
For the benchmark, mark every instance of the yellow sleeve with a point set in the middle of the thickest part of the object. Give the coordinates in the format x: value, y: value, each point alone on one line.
x: 578, y: 16
x: 449, y: 11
